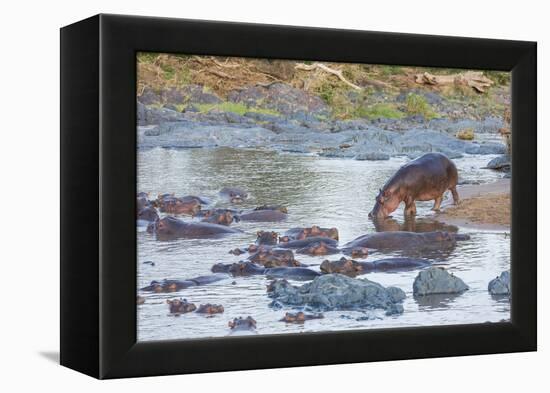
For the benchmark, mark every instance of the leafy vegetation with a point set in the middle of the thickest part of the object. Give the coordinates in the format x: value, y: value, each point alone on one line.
x: 378, y: 111
x: 234, y: 107
x: 417, y: 104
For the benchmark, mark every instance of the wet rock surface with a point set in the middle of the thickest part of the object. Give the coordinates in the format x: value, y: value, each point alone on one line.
x: 436, y: 280
x: 500, y: 286
x: 338, y: 292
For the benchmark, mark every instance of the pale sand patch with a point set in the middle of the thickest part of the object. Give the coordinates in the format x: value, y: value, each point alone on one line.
x: 486, y: 206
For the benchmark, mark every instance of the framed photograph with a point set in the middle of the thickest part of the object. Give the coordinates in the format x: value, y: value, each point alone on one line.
x: 298, y: 196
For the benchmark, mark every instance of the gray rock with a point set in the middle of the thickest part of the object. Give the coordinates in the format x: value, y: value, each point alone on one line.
x: 151, y: 116
x: 372, y: 156
x: 500, y: 163
x: 486, y: 148
x: 282, y: 98
x: 436, y: 280
x: 338, y: 292
x: 500, y: 286
x: 149, y: 97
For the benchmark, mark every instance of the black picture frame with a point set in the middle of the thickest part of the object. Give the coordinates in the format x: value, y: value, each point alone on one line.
x: 98, y: 188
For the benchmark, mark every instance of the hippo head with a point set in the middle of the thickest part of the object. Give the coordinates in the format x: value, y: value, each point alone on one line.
x: 164, y: 226
x: 236, y: 195
x: 241, y: 323
x: 441, y: 236
x: 266, y: 237
x: 386, y: 203
x: 180, y: 306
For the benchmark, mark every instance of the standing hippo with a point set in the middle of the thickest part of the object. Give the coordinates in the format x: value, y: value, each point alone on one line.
x: 172, y: 228
x: 423, y: 179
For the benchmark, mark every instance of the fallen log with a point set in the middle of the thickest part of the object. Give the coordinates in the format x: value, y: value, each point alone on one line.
x: 474, y: 79
x: 320, y: 66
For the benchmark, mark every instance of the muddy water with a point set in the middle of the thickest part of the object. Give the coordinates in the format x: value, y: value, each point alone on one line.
x: 321, y: 191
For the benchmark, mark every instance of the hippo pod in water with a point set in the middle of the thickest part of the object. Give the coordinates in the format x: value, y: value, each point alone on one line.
x: 300, y: 317
x: 177, y: 285
x: 171, y: 204
x: 172, y: 228
x: 234, y: 194
x: 394, y: 241
x: 251, y: 269
x: 314, y: 231
x: 424, y: 179
x: 352, y: 267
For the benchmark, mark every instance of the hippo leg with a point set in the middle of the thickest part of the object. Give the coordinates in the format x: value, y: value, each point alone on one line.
x: 456, y: 199
x: 437, y: 203
x: 410, y: 207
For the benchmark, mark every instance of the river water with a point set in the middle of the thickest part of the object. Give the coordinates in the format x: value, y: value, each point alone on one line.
x: 317, y: 191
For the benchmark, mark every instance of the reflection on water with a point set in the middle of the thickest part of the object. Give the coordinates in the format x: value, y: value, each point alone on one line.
x: 322, y: 191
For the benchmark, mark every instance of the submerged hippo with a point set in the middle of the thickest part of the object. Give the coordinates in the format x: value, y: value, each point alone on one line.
x: 241, y: 324
x: 412, y: 224
x: 263, y: 215
x: 280, y: 208
x: 423, y: 179
x: 352, y: 268
x: 265, y: 237
x: 177, y: 285
x: 273, y: 257
x: 210, y: 309
x: 300, y: 317
x: 314, y: 231
x: 394, y: 241
x: 219, y: 216
x: 172, y: 228
x: 147, y: 215
x: 180, y: 306
x: 307, y: 242
x: 318, y: 248
x: 234, y: 194
x: 245, y: 269
x: 189, y: 205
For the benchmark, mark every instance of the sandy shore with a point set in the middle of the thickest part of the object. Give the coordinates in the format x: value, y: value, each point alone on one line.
x: 486, y: 206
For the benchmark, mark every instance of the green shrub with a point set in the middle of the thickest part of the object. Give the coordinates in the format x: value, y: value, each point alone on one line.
x: 378, y: 111
x: 235, y: 107
x: 417, y: 104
